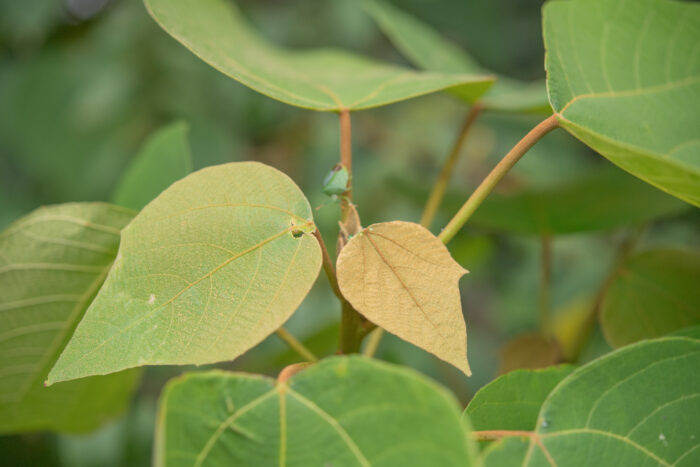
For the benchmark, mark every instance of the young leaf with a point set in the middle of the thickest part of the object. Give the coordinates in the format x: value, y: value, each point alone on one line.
x: 402, y: 278
x: 653, y: 293
x: 52, y: 262
x: 424, y: 46
x: 324, y: 79
x: 638, y: 406
x: 343, y: 411
x: 513, y: 401
x: 164, y: 159
x: 211, y: 267
x: 625, y: 79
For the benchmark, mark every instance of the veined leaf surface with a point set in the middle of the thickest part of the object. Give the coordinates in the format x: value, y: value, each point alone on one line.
x: 211, y: 267
x: 52, y: 262
x: 624, y: 78
x: 344, y: 411
x: 322, y: 79
x: 402, y: 278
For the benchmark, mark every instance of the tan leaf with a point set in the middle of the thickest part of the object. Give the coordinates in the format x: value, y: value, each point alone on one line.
x: 530, y: 351
x: 402, y: 278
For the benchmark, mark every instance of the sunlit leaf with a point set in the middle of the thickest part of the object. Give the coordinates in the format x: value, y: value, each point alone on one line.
x: 403, y: 279
x: 52, y: 262
x: 425, y: 47
x: 320, y: 79
x: 344, y: 411
x: 211, y: 267
x: 164, y: 159
x: 653, y: 293
x: 625, y: 79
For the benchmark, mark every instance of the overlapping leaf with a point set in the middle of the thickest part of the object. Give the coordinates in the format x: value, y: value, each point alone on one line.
x: 624, y: 78
x: 52, y: 262
x: 211, y: 267
x: 402, y: 278
x: 344, y: 411
x: 320, y: 79
x: 653, y: 293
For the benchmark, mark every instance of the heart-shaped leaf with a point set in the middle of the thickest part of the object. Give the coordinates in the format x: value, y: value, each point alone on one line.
x: 424, y: 46
x: 52, y: 262
x: 624, y: 78
x: 164, y: 159
x: 653, y: 293
x: 324, y: 79
x: 211, y: 267
x: 344, y: 411
x: 402, y: 278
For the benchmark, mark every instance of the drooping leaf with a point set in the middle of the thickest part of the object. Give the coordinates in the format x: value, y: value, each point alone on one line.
x: 211, y: 267
x: 653, y: 293
x: 424, y: 46
x: 529, y: 351
x: 636, y: 406
x: 402, y: 278
x: 52, y: 262
x: 625, y: 79
x: 513, y: 401
x: 164, y: 159
x: 344, y: 411
x: 328, y: 80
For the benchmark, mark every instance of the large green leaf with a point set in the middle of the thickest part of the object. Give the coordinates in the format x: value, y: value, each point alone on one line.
x: 653, y: 293
x: 321, y: 79
x: 513, y: 401
x: 427, y: 49
x: 164, y: 159
x: 207, y: 270
x: 344, y: 411
x: 636, y: 406
x: 52, y: 262
x: 624, y: 78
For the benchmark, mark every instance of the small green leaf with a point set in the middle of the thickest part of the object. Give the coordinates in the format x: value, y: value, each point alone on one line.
x: 424, y: 46
x: 344, y: 411
x: 52, y: 262
x: 653, y: 293
x: 625, y: 79
x: 512, y: 401
x: 336, y: 183
x: 164, y: 159
x: 328, y: 80
x: 205, y: 272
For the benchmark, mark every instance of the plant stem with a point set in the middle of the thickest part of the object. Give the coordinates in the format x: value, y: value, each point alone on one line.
x: 346, y: 160
x: 328, y: 266
x: 295, y: 345
x: 438, y: 191
x: 492, y: 179
x: 373, y: 341
x: 491, y: 435
x: 545, y: 285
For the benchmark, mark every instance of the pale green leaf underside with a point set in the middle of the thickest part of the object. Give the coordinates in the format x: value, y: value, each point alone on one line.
x: 164, y: 159
x: 323, y: 79
x: 344, y: 411
x: 52, y: 262
x: 654, y: 293
x: 636, y: 406
x: 211, y: 267
x: 426, y: 48
x: 624, y: 77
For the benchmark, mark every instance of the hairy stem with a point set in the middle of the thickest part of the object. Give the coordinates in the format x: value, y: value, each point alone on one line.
x: 495, y: 176
x: 438, y: 191
x: 545, y: 285
x: 296, y: 345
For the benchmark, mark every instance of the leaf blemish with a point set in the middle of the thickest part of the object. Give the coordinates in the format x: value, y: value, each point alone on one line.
x: 151, y: 299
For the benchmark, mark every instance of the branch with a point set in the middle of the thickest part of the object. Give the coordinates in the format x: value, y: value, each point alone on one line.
x: 295, y: 345
x: 328, y: 266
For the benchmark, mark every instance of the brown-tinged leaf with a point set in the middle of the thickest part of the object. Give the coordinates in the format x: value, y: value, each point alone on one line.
x: 529, y: 351
x: 402, y: 278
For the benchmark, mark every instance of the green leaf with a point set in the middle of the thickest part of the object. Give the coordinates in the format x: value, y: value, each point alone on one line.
x: 426, y: 48
x: 206, y: 271
x: 344, y: 411
x: 512, y: 401
x: 52, y: 262
x: 625, y: 79
x: 323, y: 79
x: 653, y: 293
x: 164, y: 159
x: 635, y: 406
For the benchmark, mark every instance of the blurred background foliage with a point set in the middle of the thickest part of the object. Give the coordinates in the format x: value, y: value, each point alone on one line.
x: 84, y: 82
